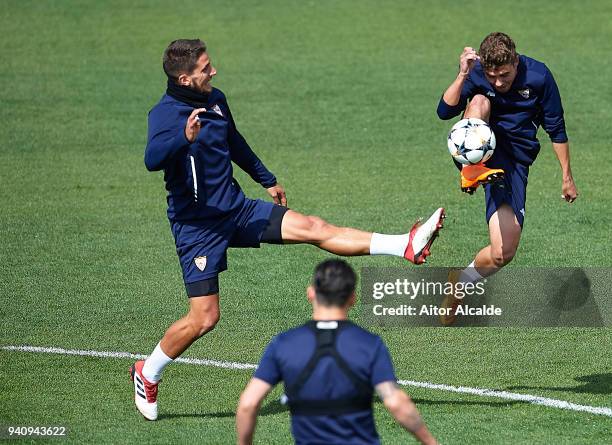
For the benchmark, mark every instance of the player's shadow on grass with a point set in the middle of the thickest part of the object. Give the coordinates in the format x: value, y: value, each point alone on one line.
x: 593, y: 384
x: 274, y: 407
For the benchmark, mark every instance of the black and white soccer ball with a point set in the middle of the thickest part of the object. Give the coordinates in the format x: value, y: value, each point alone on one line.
x: 471, y: 141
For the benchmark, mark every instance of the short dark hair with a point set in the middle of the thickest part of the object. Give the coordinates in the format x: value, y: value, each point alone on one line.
x: 181, y: 57
x: 334, y: 283
x: 497, y: 49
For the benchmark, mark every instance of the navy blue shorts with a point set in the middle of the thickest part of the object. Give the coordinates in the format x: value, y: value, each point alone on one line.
x: 202, y: 245
x: 512, y: 190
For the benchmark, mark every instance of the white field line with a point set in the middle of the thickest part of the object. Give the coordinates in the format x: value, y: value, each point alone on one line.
x: 111, y: 354
x: 536, y: 400
x: 528, y: 398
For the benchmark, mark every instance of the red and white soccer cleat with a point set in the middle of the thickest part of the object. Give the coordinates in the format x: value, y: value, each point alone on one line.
x: 145, y: 392
x: 422, y: 236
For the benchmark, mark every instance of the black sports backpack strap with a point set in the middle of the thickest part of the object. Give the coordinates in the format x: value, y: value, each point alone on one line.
x: 335, y: 407
x: 326, y: 346
x: 363, y: 386
x: 325, y: 340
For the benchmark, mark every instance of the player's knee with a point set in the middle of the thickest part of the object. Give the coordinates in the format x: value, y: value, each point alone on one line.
x: 315, y: 228
x: 207, y: 325
x: 480, y: 100
x: 480, y: 103
x: 502, y: 255
x: 205, y: 322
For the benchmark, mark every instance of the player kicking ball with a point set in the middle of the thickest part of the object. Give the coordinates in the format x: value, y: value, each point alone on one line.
x: 515, y: 94
x: 193, y: 138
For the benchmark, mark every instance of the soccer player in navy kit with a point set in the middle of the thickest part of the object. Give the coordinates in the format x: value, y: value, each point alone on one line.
x: 515, y: 94
x: 330, y: 368
x: 193, y: 138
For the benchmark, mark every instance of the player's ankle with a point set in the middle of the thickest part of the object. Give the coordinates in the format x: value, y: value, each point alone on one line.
x: 382, y: 244
x: 470, y: 274
x: 155, y: 364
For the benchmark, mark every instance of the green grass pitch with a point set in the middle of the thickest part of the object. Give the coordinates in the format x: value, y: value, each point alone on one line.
x: 338, y: 98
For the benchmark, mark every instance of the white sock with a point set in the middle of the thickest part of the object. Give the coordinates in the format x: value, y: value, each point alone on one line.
x: 470, y: 274
x: 155, y: 364
x: 389, y: 244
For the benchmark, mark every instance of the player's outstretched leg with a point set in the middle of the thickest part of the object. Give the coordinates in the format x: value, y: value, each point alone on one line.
x: 413, y: 246
x: 202, y: 317
x: 504, y: 234
x: 474, y: 175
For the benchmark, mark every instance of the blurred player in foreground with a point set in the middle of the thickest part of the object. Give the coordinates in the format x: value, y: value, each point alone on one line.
x: 193, y: 138
x: 330, y: 368
x: 515, y: 95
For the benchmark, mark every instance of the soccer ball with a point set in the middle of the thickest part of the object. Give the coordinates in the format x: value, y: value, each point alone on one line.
x: 471, y: 141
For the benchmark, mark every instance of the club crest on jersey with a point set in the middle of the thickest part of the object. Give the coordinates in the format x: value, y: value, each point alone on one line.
x: 524, y: 93
x: 217, y: 110
x: 200, y: 262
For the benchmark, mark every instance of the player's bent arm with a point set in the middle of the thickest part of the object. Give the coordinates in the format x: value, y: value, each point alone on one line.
x: 163, y: 141
x: 248, y: 407
x: 162, y: 146
x: 400, y: 406
x: 568, y: 188
x: 455, y: 98
x: 452, y: 95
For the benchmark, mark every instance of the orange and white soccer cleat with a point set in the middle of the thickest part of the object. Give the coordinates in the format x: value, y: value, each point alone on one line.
x: 422, y: 236
x: 450, y: 302
x: 474, y: 175
x: 145, y: 392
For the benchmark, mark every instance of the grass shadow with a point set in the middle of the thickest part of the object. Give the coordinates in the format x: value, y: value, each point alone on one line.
x: 592, y: 384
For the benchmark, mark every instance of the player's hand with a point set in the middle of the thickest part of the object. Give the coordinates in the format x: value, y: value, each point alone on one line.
x: 277, y: 192
x: 467, y: 59
x: 192, y: 128
x: 568, y: 190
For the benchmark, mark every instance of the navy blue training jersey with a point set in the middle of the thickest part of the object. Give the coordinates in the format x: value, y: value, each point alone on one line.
x: 532, y: 100
x: 199, y: 176
x: 367, y: 356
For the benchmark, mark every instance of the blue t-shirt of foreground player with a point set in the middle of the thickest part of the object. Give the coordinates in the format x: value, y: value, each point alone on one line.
x: 366, y: 354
